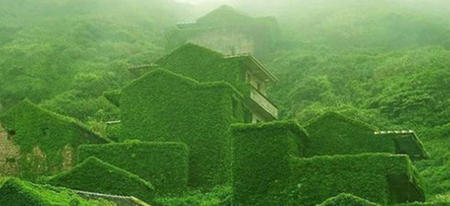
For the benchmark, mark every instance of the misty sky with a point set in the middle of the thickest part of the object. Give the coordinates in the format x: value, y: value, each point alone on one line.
x: 202, y: 1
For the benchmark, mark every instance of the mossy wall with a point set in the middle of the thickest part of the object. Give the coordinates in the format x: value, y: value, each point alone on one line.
x: 333, y: 133
x: 15, y: 192
x: 261, y: 159
x: 347, y: 200
x: 163, y: 106
x: 380, y: 178
x: 47, y: 141
x: 94, y: 175
x: 407, y: 143
x: 165, y: 165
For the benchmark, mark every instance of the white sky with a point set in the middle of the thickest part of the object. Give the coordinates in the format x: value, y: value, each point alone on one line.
x: 202, y: 1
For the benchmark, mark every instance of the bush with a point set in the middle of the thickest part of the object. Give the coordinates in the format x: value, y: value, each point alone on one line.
x: 218, y: 196
x: 261, y: 159
x: 94, y: 175
x: 48, y: 140
x: 426, y: 204
x: 380, y: 178
x: 165, y: 165
x: 347, y: 200
x: 18, y: 193
x: 163, y: 106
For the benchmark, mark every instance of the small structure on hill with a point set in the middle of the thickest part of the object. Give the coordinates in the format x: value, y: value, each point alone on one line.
x: 333, y: 133
x: 39, y: 142
x: 228, y: 31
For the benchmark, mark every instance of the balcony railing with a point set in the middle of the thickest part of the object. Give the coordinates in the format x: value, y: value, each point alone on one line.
x: 264, y: 102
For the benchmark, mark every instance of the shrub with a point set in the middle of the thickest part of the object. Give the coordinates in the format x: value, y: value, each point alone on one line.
x: 18, y: 193
x: 380, y: 178
x: 163, y: 106
x: 47, y: 141
x: 218, y: 196
x: 94, y: 175
x: 347, y: 200
x: 261, y: 159
x: 165, y: 165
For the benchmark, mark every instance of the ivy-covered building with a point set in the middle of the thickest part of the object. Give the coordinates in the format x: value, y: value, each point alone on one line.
x: 244, y: 72
x: 270, y: 168
x: 39, y: 142
x: 228, y: 31
x: 164, y: 106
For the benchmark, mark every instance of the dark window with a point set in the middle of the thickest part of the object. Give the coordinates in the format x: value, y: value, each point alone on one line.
x: 11, y: 134
x: 45, y: 131
x: 235, y: 107
x: 10, y: 160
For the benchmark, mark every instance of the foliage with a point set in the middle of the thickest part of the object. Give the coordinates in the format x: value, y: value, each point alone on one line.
x: 165, y: 165
x: 71, y: 104
x: 163, y: 106
x: 20, y: 193
x: 47, y: 46
x: 94, y: 175
x: 347, y: 200
x: 261, y: 159
x: 380, y: 178
x: 426, y: 204
x: 33, y: 128
x: 218, y: 196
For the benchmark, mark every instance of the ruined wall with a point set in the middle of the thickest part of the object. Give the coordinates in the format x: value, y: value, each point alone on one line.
x: 228, y: 41
x: 9, y: 153
x: 39, y: 142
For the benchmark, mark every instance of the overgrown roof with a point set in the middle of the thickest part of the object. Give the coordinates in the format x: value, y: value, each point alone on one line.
x: 333, y: 133
x: 206, y: 65
x: 47, y: 140
x: 17, y: 192
x: 339, y: 117
x: 19, y: 111
x: 94, y: 175
x: 182, y: 80
x: 407, y: 142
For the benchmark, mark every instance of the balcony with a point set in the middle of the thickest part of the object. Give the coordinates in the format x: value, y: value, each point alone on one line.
x: 261, y: 105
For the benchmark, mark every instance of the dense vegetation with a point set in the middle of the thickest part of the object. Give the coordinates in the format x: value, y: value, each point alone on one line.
x: 383, y: 62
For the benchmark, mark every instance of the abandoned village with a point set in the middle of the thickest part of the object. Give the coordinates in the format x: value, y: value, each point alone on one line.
x: 199, y: 118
